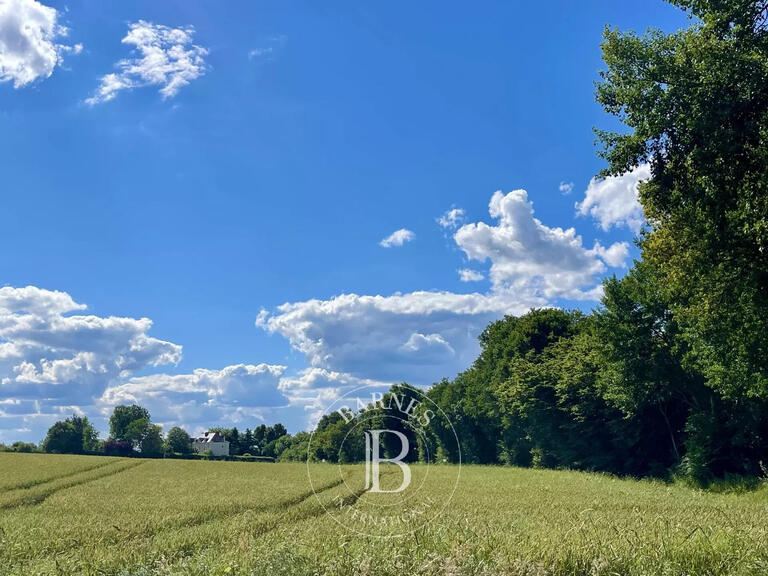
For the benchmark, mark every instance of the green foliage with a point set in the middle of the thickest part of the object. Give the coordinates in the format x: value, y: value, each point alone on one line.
x: 62, y: 438
x: 277, y: 446
x: 75, y: 435
x: 264, y: 440
x: 132, y: 426
x: 608, y: 391
x: 122, y: 422
x: 24, y: 447
x: 339, y: 437
x: 297, y: 450
x: 151, y: 444
x: 696, y: 105
x: 135, y: 431
x: 687, y: 330
x: 178, y: 441
x: 274, y: 432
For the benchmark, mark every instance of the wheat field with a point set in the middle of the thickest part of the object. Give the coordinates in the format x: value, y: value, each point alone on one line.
x: 99, y: 515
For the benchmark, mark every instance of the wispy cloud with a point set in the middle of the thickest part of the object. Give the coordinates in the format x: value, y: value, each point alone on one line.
x: 163, y: 57
x: 268, y: 49
x: 468, y: 275
x: 451, y: 219
x: 397, y: 238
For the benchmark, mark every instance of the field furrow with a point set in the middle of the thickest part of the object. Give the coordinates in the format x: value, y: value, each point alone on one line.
x: 31, y: 483
x: 38, y: 494
x: 25, y: 470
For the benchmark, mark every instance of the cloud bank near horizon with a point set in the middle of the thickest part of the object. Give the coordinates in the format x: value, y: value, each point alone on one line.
x: 55, y: 359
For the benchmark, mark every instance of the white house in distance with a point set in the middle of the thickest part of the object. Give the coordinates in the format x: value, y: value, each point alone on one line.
x: 212, y: 441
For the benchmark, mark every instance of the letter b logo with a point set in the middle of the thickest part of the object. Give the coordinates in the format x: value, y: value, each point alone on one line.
x: 372, y: 460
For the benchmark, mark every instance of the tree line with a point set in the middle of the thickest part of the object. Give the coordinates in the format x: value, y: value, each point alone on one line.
x: 132, y: 433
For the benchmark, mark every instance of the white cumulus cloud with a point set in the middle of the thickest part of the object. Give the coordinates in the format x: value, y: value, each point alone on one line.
x: 56, y: 360
x: 29, y: 48
x: 531, y: 258
x: 397, y: 238
x: 53, y: 353
x: 162, y: 56
x: 315, y: 378
x: 419, y: 336
x: 314, y: 389
x: 613, y: 201
x: 423, y: 336
x: 616, y: 255
x: 203, y: 397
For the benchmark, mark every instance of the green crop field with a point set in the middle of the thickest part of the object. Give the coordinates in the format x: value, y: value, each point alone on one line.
x: 93, y: 515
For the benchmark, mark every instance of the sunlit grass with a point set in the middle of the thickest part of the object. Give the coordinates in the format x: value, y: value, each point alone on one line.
x: 25, y: 470
x: 190, y: 517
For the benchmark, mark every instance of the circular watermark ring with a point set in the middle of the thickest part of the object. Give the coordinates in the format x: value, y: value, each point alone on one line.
x: 385, y: 447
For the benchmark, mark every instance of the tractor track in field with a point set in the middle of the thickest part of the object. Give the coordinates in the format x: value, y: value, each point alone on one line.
x: 203, y: 519
x: 197, y: 521
x: 286, y: 505
x: 274, y: 523
x: 270, y: 525
x: 26, y: 485
x: 262, y: 528
x: 312, y: 513
x: 40, y: 497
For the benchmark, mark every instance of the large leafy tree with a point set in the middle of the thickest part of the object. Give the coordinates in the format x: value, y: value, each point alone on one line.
x: 553, y: 410
x: 533, y: 398
x: 515, y: 354
x: 75, y: 435
x: 151, y: 442
x: 178, y: 440
x: 122, y: 423
x: 642, y: 372
x: 133, y: 426
x: 696, y: 105
x: 274, y: 432
x: 62, y: 438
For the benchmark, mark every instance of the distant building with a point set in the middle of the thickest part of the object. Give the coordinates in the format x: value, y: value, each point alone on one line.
x: 212, y: 441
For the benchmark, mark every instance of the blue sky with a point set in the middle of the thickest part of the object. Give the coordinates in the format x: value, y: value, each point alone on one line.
x: 263, y: 168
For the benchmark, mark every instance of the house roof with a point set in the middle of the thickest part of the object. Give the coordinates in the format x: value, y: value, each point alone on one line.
x: 210, y: 437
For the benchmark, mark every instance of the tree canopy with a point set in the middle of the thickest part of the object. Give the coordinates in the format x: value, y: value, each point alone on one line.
x: 696, y: 107
x: 178, y: 441
x: 75, y: 435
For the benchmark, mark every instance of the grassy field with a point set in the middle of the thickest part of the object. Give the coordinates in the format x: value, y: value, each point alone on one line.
x: 92, y: 515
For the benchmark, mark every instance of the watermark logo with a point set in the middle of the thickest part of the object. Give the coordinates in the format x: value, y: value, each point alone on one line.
x: 372, y: 459
x: 384, y: 463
